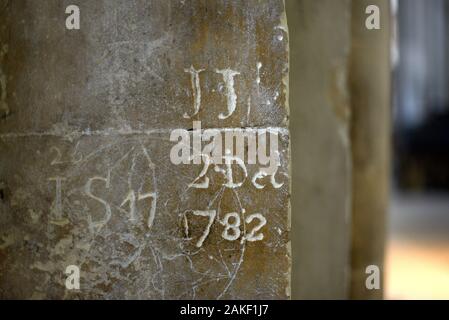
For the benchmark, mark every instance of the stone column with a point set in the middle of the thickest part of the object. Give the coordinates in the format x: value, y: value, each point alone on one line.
x: 94, y: 124
x: 321, y: 182
x: 370, y: 137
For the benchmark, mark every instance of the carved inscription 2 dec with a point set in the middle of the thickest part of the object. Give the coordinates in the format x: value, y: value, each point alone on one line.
x: 211, y: 156
x: 212, y: 160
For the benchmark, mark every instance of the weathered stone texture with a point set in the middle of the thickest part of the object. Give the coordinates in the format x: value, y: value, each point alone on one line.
x: 85, y: 171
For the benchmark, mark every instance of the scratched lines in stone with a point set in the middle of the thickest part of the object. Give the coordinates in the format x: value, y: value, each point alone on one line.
x: 96, y: 188
x: 229, y: 165
x: 205, y: 147
x: 231, y: 223
x: 201, y: 181
x: 228, y: 79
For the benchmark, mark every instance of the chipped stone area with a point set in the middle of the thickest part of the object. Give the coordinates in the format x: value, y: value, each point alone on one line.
x: 86, y: 176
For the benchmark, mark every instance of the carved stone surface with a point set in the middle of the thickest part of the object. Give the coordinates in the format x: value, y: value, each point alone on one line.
x: 86, y: 175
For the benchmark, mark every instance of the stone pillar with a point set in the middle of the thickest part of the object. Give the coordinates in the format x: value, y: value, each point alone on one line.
x: 370, y: 137
x: 321, y: 156
x: 94, y: 124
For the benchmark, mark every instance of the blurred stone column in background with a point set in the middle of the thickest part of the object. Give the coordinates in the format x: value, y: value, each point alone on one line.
x: 320, y: 35
x: 370, y: 136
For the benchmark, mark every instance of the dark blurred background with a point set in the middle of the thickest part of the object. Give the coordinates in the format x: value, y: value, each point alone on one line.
x: 418, y: 248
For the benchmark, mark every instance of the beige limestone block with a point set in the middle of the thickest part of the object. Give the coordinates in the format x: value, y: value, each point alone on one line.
x: 320, y: 39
